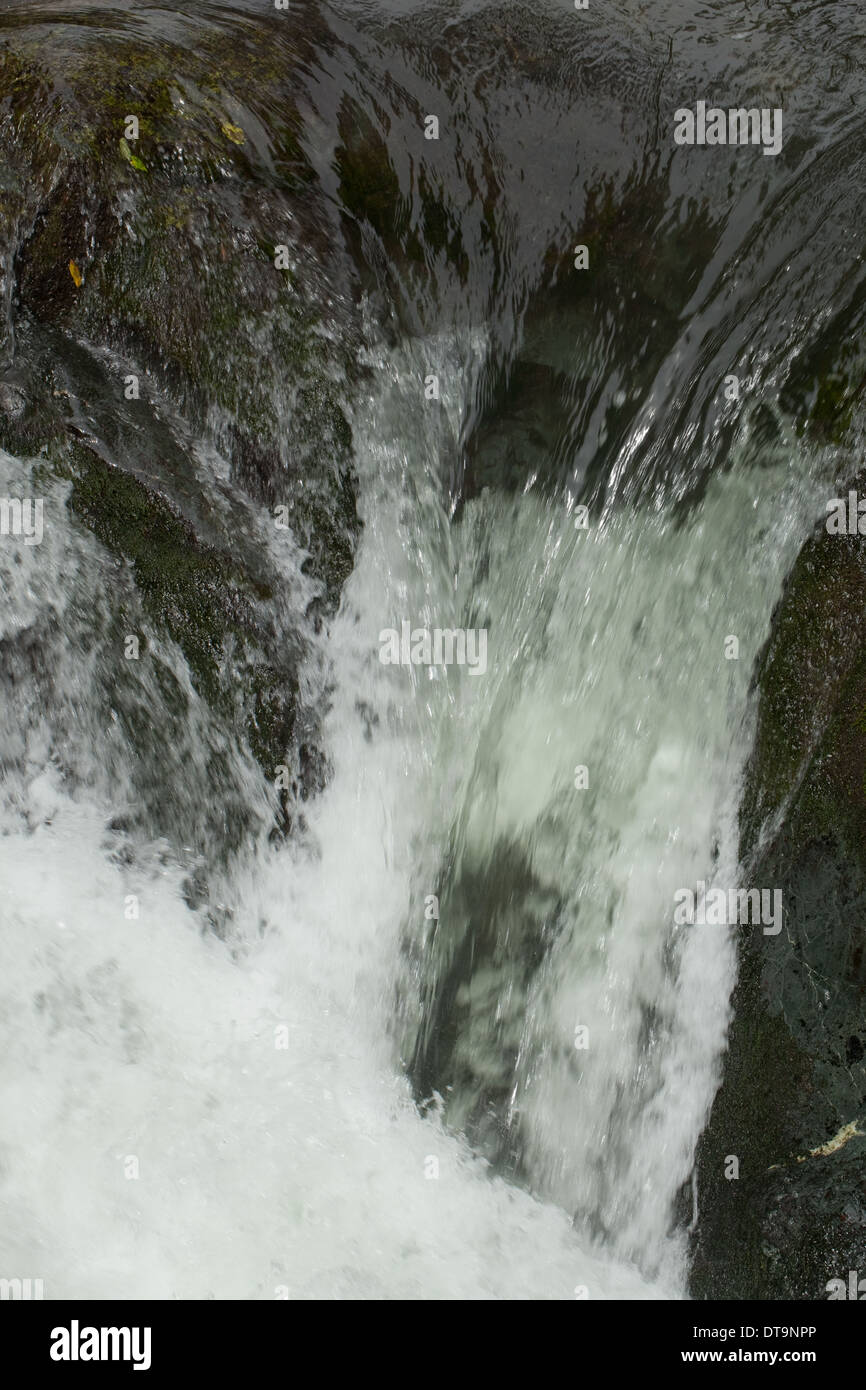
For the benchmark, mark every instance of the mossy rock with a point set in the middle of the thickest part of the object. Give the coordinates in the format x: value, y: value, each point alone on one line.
x: 167, y: 272
x: 214, y: 602
x: 794, y: 1077
x: 172, y: 267
x: 826, y: 384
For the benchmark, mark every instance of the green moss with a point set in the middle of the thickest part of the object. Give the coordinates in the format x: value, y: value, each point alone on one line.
x: 812, y: 677
x: 172, y: 280
x: 179, y: 281
x: 185, y: 587
x: 794, y: 1072
x: 197, y: 596
x: 826, y: 384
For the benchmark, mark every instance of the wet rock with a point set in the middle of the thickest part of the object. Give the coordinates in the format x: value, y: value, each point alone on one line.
x: 792, y: 1103
x: 827, y: 381
x: 177, y: 261
x: 152, y: 260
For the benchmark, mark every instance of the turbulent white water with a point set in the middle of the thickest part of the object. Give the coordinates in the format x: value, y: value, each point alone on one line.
x: 265, y: 1171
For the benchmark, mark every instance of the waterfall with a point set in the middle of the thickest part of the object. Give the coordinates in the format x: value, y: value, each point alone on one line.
x: 406, y: 1015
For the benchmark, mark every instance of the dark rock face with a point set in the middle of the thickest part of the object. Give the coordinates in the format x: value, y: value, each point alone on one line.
x: 792, y: 1104
x: 155, y: 258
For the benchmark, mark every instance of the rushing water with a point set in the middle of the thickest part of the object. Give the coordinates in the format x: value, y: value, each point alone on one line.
x: 333, y: 1093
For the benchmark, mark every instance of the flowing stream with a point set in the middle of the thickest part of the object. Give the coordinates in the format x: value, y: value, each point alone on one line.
x: 301, y: 1081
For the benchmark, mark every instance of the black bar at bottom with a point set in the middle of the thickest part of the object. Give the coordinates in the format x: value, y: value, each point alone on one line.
x: 162, y: 1339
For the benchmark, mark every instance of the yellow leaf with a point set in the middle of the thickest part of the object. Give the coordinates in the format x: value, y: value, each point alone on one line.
x: 76, y: 274
x: 131, y: 158
x: 234, y: 133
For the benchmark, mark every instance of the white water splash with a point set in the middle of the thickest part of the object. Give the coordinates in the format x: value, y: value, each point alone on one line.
x: 266, y: 1171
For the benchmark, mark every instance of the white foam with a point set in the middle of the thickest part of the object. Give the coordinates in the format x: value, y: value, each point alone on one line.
x: 262, y: 1169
